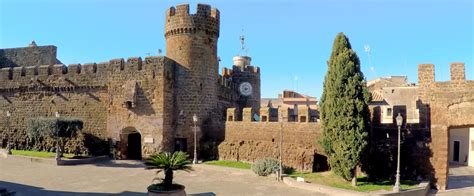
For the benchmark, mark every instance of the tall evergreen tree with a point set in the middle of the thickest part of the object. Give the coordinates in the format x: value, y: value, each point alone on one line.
x: 344, y: 110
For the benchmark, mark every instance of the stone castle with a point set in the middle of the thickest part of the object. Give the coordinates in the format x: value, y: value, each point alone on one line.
x: 137, y: 106
x: 152, y: 99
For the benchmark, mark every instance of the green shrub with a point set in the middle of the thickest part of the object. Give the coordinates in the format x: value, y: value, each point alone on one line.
x: 265, y: 167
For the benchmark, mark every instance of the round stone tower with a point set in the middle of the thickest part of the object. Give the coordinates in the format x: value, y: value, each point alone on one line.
x: 191, y: 41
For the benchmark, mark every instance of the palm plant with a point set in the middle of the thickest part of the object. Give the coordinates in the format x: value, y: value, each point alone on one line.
x: 169, y: 162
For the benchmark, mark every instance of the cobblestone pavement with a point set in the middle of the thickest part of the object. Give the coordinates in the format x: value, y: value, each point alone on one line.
x: 130, y: 178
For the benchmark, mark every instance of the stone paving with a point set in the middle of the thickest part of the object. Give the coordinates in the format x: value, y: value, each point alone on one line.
x: 461, y: 181
x: 130, y: 178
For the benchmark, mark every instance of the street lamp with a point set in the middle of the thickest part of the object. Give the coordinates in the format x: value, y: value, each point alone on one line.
x: 8, y: 132
x: 280, y: 147
x: 396, y: 188
x: 195, y: 119
x: 59, y: 152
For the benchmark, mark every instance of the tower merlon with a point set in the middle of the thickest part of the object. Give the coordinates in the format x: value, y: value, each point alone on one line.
x: 134, y: 63
x: 426, y: 74
x: 74, y: 68
x: 457, y: 71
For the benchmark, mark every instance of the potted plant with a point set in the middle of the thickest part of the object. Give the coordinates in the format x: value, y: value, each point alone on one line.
x: 168, y: 162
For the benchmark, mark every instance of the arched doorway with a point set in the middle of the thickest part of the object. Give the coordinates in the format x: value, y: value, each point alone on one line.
x: 320, y: 163
x: 131, y: 144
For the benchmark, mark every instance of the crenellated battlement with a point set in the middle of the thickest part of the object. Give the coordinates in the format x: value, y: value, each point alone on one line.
x: 236, y: 69
x: 302, y: 114
x: 426, y: 74
x: 180, y: 21
x: 88, y: 74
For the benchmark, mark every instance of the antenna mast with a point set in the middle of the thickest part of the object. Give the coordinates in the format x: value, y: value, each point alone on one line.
x: 242, y: 43
x: 367, y: 50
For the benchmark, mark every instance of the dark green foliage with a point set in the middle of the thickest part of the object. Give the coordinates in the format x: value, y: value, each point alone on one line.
x: 53, y: 127
x: 265, y: 167
x: 169, y: 162
x: 344, y: 109
x: 57, y: 128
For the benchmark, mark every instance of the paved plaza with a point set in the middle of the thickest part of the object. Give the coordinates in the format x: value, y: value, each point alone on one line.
x: 130, y: 178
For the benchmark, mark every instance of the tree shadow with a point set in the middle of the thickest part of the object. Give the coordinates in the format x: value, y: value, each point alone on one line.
x: 121, y: 163
x: 21, y: 189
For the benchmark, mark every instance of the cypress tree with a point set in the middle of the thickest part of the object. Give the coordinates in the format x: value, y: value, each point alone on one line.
x: 344, y: 110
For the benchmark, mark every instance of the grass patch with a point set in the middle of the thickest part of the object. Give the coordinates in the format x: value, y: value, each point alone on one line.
x: 40, y: 154
x: 234, y: 164
x: 363, y: 184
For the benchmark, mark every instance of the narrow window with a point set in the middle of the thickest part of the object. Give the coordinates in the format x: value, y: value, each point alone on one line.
x: 389, y: 111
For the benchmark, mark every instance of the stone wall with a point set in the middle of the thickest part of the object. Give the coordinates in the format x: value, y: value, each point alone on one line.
x: 248, y: 141
x: 450, y: 105
x: 95, y: 93
x: 28, y: 56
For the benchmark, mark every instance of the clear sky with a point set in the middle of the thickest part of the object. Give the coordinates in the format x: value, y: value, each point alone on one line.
x: 288, y: 39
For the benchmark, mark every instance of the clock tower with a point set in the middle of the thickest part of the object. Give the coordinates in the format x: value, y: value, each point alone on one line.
x: 247, y: 78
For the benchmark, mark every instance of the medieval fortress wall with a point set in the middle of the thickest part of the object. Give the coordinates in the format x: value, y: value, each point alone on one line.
x: 94, y: 92
x: 249, y: 140
x: 451, y: 105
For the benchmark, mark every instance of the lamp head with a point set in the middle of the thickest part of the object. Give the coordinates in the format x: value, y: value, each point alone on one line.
x: 195, y: 118
x: 399, y: 120
x: 9, y: 114
x: 57, y: 114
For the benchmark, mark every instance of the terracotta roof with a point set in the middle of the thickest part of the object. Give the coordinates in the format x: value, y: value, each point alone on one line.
x: 376, y: 96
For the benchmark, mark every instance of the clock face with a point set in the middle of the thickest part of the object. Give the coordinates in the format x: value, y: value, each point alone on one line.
x: 245, y: 89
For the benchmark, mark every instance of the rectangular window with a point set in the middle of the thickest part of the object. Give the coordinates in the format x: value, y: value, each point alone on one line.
x: 389, y: 111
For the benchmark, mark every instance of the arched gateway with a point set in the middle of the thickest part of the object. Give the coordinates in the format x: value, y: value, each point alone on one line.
x: 130, y: 145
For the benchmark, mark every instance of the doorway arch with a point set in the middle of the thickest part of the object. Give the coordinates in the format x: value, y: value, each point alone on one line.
x: 131, y: 143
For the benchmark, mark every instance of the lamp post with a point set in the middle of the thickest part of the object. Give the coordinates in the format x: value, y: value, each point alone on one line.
x: 280, y: 148
x: 8, y: 132
x: 58, y: 146
x: 195, y: 119
x: 396, y: 188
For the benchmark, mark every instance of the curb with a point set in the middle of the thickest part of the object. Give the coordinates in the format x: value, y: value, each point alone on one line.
x: 422, y: 189
x: 61, y: 162
x: 319, y: 188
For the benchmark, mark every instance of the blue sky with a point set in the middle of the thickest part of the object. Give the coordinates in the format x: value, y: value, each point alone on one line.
x: 287, y: 39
